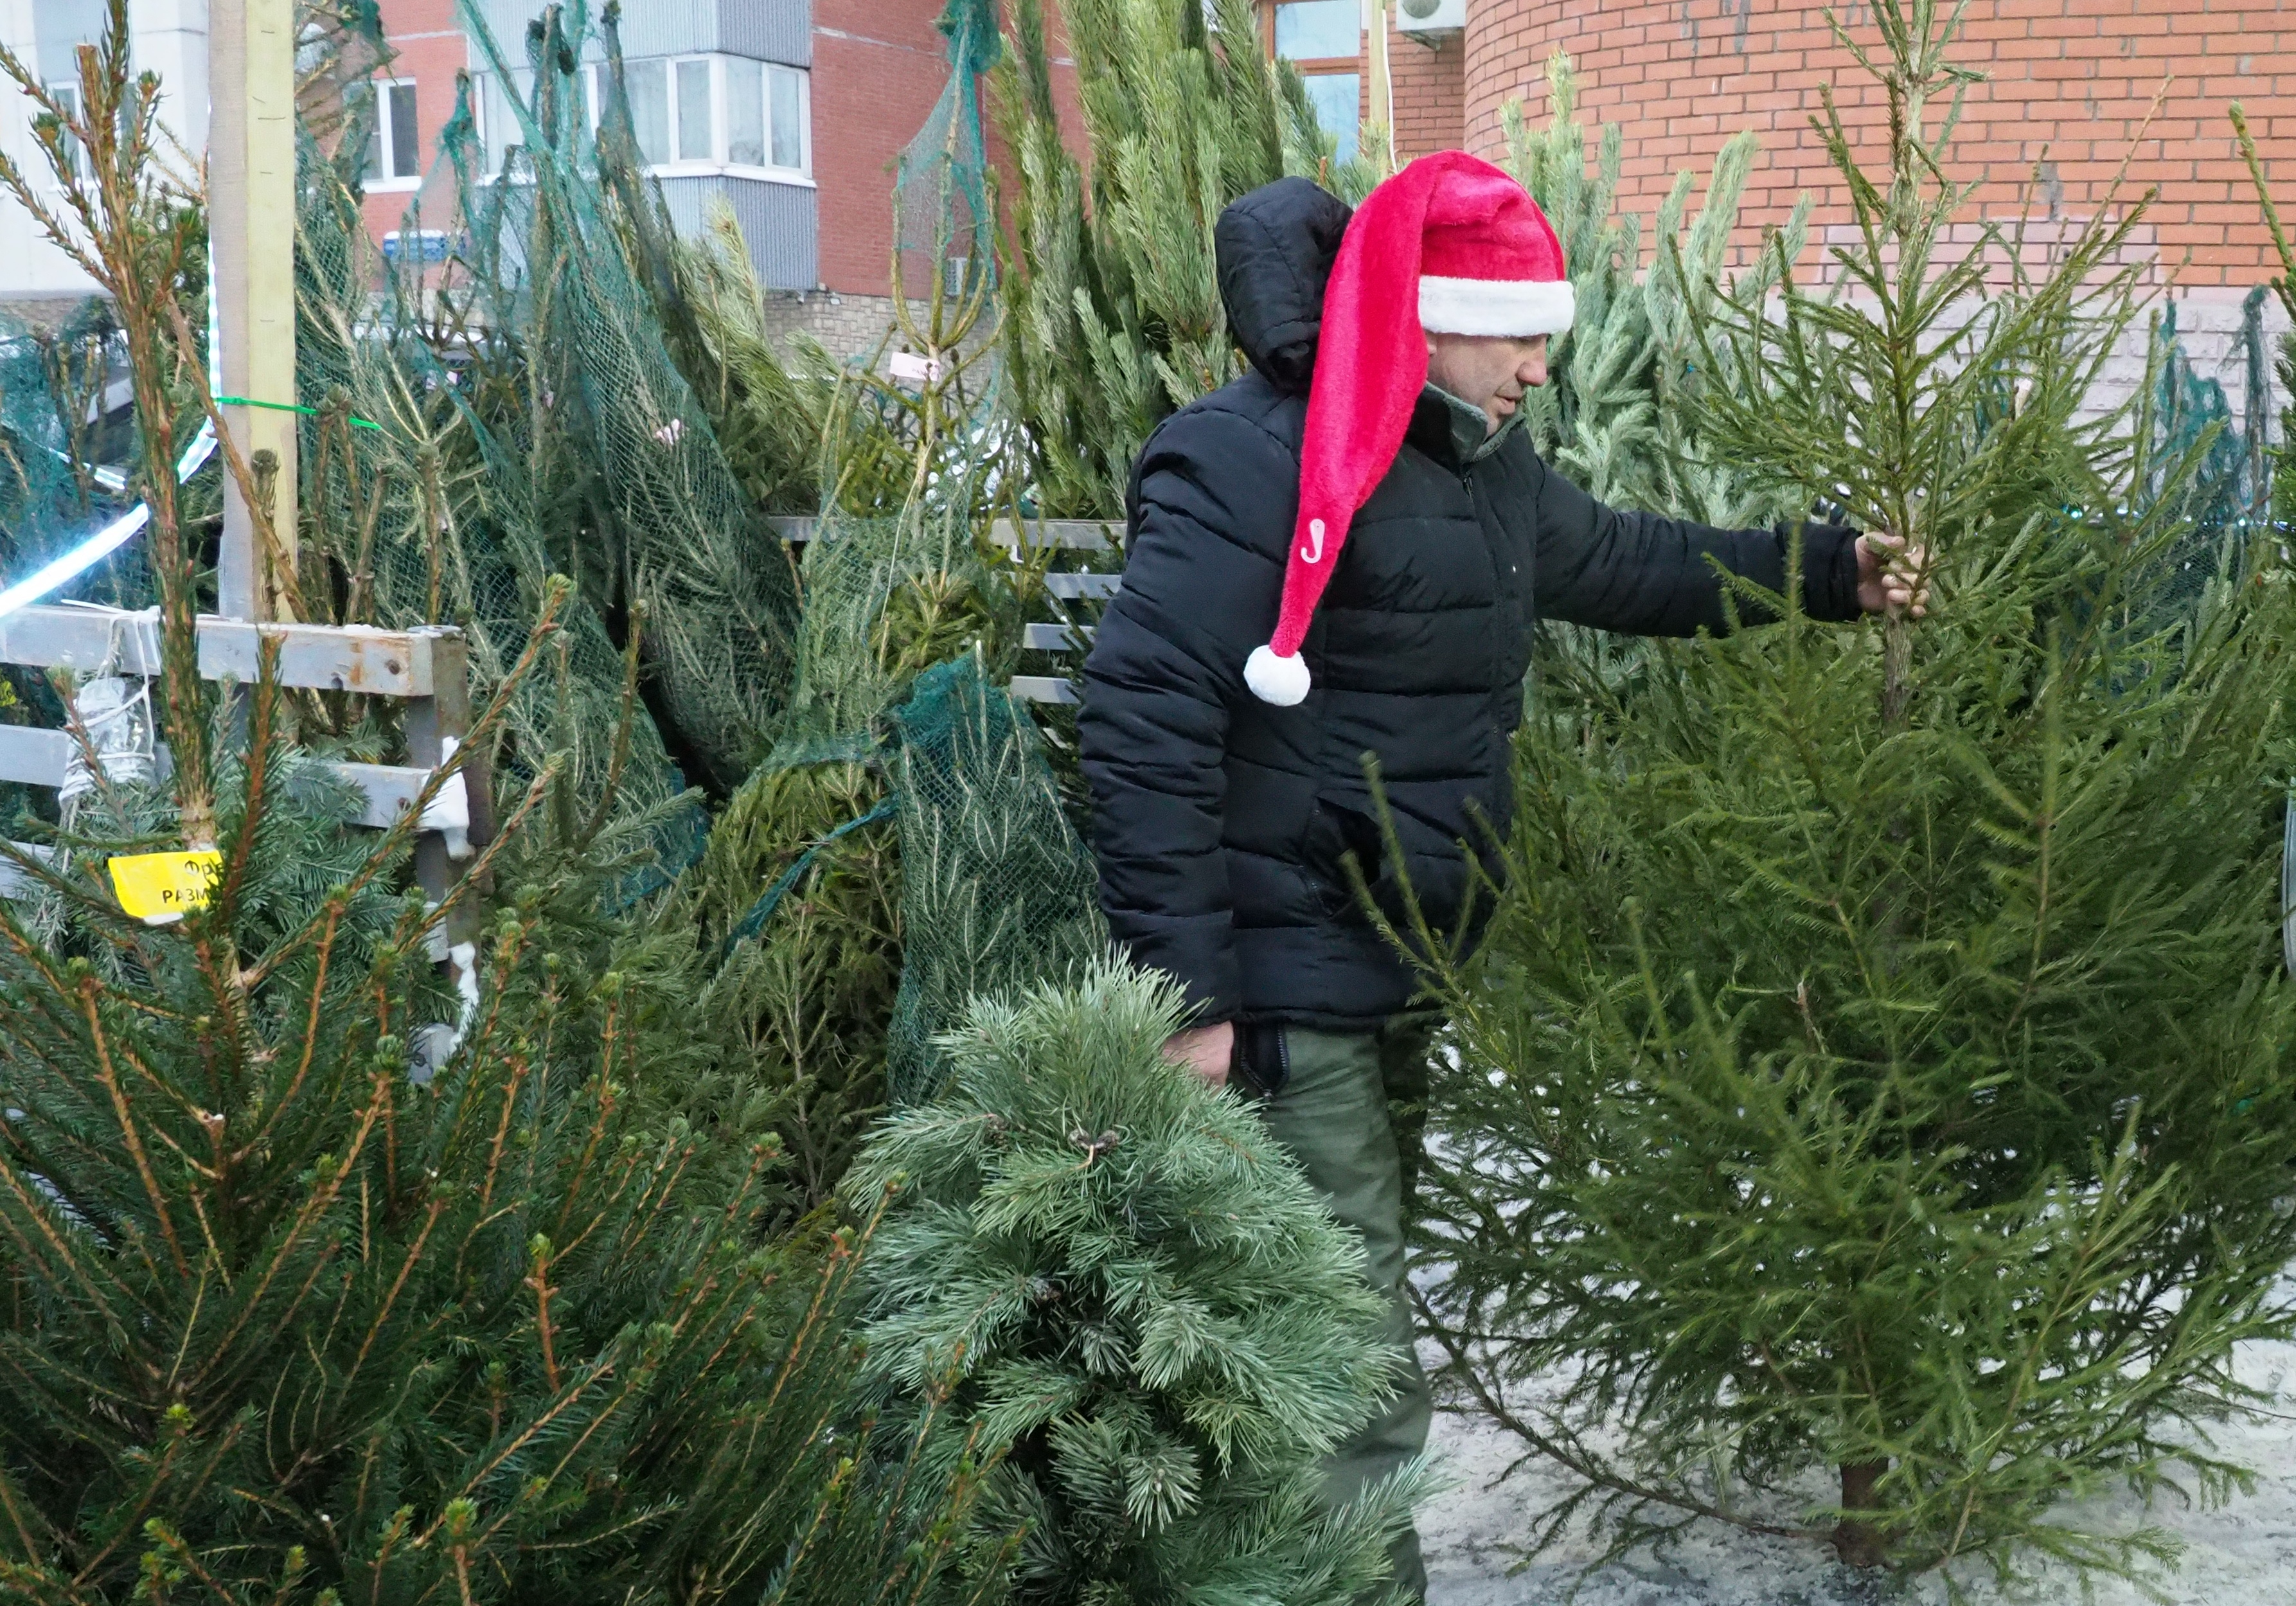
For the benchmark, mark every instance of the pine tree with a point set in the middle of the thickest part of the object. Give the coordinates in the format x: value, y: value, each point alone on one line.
x: 283, y: 1321
x: 2282, y: 499
x: 321, y: 1279
x: 1879, y: 1068
x: 1143, y: 1304
x: 1112, y: 315
x: 1617, y: 413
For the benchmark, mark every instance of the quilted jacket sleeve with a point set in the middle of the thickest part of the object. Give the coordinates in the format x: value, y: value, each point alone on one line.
x: 1212, y: 501
x: 1653, y: 575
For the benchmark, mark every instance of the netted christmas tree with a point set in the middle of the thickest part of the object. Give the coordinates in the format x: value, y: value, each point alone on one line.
x: 1141, y: 1303
x: 1873, y: 1105
x: 323, y: 1278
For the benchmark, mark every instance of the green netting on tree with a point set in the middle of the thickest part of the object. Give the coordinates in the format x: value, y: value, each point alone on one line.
x: 941, y: 187
x: 997, y: 891
x: 885, y: 598
x: 550, y: 248
x: 459, y: 507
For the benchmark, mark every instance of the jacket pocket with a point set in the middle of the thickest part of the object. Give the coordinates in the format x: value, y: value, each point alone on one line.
x: 1337, y: 832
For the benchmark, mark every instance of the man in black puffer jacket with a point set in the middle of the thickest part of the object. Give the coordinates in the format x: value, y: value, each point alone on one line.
x: 1401, y: 578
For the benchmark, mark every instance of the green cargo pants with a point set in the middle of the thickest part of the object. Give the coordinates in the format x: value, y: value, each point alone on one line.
x: 1351, y: 1108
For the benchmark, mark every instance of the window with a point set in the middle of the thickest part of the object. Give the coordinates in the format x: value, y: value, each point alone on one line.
x: 791, y: 119
x: 393, y: 150
x: 688, y: 111
x: 730, y: 111
x: 647, y: 84
x: 1338, y: 98
x: 1324, y: 39
x: 1307, y: 30
x: 745, y: 112
x: 66, y: 95
x: 697, y: 135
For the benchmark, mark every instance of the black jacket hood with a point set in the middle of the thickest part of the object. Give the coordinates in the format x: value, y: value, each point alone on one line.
x: 1274, y: 249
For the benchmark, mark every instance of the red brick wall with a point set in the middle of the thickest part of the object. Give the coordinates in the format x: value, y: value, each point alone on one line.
x: 1430, y: 86
x: 2069, y: 81
x: 878, y: 66
x: 428, y: 36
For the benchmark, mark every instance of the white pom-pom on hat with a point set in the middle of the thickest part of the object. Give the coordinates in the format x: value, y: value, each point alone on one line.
x: 1282, y: 681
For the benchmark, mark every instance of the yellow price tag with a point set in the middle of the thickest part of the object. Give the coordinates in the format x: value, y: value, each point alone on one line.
x: 158, y: 888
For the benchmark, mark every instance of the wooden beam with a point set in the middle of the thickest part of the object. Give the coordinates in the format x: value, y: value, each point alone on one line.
x: 328, y: 658
x: 251, y: 235
x: 32, y: 756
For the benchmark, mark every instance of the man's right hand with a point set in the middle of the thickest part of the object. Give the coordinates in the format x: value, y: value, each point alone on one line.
x: 1205, y: 1050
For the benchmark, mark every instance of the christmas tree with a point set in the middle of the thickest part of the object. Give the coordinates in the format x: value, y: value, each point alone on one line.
x: 1874, y: 1096
x: 1142, y: 1305
x: 322, y: 1278
x: 1112, y: 314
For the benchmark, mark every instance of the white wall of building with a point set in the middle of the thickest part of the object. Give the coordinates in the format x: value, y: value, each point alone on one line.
x: 169, y: 38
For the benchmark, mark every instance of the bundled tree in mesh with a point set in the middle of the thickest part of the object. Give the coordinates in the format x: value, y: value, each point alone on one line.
x: 441, y: 483
x: 998, y: 893
x: 550, y: 252
x: 1143, y: 1305
x: 1873, y: 1101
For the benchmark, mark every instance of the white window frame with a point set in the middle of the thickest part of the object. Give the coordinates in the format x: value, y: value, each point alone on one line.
x: 803, y: 172
x: 385, y: 181
x: 715, y: 163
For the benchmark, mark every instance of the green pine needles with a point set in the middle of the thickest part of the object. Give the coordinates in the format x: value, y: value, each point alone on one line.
x: 316, y: 1284
x: 1875, y: 1093
x: 1142, y: 1303
x: 1112, y: 314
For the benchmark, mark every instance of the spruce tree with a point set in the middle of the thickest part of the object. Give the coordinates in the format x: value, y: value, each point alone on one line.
x: 1142, y: 1305
x: 1875, y: 1098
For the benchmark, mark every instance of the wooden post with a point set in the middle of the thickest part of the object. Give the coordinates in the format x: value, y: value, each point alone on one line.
x: 251, y: 234
x: 432, y: 722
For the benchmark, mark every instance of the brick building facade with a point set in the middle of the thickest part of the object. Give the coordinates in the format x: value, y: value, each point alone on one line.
x: 2065, y: 100
x: 2069, y: 87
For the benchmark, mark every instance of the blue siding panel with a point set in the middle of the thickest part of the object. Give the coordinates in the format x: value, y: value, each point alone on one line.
x: 669, y: 27
x: 653, y: 27
x: 772, y: 30
x: 780, y: 222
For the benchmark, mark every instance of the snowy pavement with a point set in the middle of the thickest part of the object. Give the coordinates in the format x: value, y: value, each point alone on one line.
x: 2240, y: 1554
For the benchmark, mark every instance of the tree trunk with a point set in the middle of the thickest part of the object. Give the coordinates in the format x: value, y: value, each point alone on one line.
x: 1859, y: 1544
x: 1896, y: 672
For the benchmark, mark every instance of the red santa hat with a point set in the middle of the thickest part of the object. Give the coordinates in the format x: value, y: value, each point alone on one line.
x: 1449, y: 245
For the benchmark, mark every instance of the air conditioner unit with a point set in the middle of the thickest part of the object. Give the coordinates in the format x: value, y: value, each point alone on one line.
x: 1430, y: 16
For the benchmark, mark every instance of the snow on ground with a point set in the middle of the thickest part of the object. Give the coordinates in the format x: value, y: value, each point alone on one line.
x: 2241, y: 1554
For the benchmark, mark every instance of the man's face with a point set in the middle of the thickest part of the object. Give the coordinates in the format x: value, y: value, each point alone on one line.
x: 1492, y: 371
